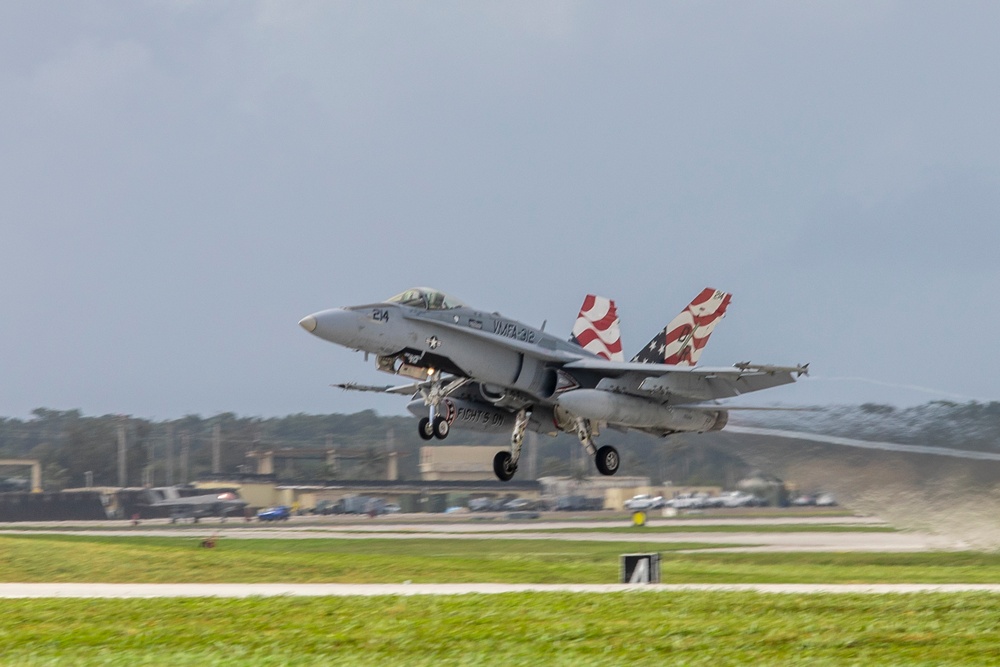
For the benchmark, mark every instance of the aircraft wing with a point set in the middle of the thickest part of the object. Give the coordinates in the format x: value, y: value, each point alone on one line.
x: 686, y: 383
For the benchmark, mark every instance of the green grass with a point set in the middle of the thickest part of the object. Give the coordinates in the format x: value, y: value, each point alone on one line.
x: 836, y: 568
x: 75, y: 558
x: 511, y: 629
x: 60, y: 558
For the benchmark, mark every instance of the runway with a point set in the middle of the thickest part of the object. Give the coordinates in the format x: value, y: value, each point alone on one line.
x: 147, y: 591
x: 827, y: 534
x: 839, y: 539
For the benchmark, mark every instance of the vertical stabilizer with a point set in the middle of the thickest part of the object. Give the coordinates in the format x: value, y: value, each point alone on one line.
x: 597, y: 328
x: 682, y: 341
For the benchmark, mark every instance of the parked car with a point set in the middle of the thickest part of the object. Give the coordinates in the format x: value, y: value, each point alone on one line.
x: 577, y: 504
x: 687, y: 501
x: 739, y: 499
x: 278, y: 513
x: 517, y: 505
x: 825, y: 500
x: 644, y: 501
x: 482, y: 505
x: 325, y: 507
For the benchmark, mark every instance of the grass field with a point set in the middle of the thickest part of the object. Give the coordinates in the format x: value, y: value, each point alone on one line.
x: 74, y: 558
x: 629, y: 628
x: 511, y: 629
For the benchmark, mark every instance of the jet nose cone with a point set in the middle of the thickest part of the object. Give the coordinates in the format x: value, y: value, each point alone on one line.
x: 308, y: 323
x: 337, y: 325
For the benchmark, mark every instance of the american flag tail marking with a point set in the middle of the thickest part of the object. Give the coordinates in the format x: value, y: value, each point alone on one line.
x: 681, y: 342
x: 597, y: 328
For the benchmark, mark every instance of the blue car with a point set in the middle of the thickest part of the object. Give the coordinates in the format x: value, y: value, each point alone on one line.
x: 279, y: 513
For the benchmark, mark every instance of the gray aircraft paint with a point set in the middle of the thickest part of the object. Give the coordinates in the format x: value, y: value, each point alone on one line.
x: 512, y: 367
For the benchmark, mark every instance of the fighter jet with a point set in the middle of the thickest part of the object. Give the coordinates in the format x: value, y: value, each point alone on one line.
x: 194, y: 507
x: 483, y: 371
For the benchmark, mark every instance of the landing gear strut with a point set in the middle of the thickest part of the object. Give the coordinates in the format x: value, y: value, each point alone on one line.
x: 505, y: 463
x: 606, y: 458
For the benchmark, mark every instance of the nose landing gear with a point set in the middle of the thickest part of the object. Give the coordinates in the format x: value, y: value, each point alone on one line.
x: 434, y: 425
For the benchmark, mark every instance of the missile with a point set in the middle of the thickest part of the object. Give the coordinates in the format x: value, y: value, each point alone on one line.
x: 613, y: 408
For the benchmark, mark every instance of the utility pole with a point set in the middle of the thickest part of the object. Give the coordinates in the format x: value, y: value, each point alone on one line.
x: 122, y: 470
x: 149, y: 472
x: 391, y: 458
x: 216, y: 448
x: 169, y: 455
x: 185, y: 455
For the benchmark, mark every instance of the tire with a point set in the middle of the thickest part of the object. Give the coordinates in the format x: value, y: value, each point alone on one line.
x: 441, y: 428
x: 424, y: 428
x: 607, y: 460
x: 502, y: 466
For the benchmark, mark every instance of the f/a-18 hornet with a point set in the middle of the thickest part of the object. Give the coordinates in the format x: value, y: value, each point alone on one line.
x: 486, y: 372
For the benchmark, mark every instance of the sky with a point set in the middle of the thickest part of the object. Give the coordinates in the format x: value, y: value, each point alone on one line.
x: 181, y: 182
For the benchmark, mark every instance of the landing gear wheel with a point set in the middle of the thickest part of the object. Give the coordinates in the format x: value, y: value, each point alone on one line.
x: 424, y: 428
x: 607, y: 460
x: 441, y: 428
x: 503, y: 466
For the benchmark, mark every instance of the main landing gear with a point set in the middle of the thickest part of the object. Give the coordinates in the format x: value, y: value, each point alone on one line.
x: 505, y: 463
x: 606, y: 458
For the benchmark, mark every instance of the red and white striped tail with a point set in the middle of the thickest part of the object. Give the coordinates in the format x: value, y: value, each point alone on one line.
x: 682, y: 341
x: 597, y: 329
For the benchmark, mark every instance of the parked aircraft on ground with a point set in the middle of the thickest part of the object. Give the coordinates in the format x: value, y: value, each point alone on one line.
x: 483, y: 371
x: 194, y: 507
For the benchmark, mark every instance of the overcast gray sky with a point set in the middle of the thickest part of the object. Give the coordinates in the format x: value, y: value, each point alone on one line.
x: 181, y: 182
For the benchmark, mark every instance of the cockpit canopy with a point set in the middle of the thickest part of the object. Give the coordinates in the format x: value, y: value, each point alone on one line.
x: 426, y: 298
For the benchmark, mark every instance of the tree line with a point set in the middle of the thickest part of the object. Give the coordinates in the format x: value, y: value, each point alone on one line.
x: 76, y: 450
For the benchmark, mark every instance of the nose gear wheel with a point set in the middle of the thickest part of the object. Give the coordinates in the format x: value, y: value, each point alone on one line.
x: 441, y: 427
x: 425, y: 429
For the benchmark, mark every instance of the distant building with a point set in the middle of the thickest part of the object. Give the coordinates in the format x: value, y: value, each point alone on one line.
x: 457, y: 463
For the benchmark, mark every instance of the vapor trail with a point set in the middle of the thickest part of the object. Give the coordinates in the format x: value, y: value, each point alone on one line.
x: 865, y: 444
x: 894, y: 385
